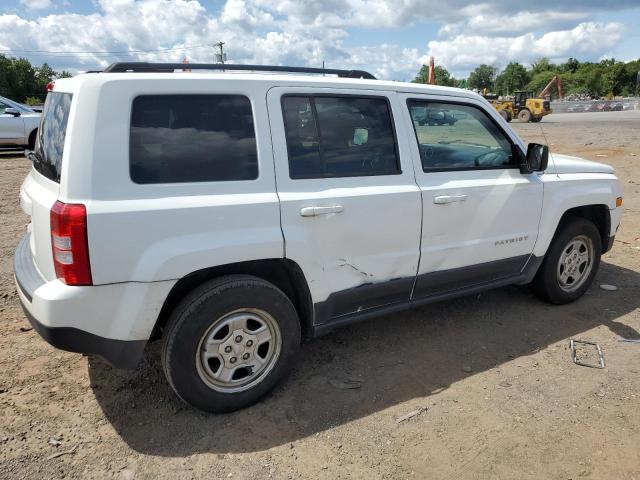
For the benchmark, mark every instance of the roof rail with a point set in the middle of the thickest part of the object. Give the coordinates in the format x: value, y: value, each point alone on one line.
x: 170, y: 67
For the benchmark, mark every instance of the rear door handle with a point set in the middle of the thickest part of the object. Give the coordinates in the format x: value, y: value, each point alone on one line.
x: 315, y: 211
x: 442, y: 199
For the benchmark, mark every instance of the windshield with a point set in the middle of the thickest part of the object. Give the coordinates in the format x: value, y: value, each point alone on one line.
x: 47, y: 157
x: 16, y: 105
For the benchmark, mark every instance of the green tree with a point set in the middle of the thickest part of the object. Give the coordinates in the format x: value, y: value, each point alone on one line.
x: 540, y: 80
x: 632, y: 73
x: 482, y: 77
x: 542, y: 65
x: 570, y: 66
x: 442, y: 76
x: 513, y: 77
x: 588, y: 80
x: 20, y: 80
x: 614, y: 78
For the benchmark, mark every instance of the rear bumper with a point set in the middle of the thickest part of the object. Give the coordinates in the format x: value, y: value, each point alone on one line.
x: 112, y: 321
x: 119, y: 353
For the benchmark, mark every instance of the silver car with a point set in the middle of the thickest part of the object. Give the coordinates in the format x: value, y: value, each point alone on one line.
x: 18, y: 125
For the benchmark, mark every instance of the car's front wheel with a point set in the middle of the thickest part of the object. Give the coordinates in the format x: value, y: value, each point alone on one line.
x: 571, y: 263
x: 229, y: 342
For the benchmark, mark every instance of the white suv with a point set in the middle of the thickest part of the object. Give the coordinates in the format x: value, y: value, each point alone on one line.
x: 230, y: 213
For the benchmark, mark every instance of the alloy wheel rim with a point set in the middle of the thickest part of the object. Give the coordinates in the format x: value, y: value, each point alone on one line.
x: 238, y: 350
x: 575, y: 263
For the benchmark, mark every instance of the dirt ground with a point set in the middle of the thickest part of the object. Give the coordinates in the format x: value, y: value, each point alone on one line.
x: 487, y: 380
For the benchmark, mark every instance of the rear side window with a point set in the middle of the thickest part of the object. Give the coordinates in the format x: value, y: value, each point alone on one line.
x: 192, y: 138
x: 342, y: 136
x: 47, y: 158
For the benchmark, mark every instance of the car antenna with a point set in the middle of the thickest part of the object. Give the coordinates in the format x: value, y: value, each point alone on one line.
x: 549, y: 145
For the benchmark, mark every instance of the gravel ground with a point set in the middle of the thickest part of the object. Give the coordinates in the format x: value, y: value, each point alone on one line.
x: 480, y: 387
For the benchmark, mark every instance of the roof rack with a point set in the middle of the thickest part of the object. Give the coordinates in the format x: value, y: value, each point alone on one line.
x: 170, y: 67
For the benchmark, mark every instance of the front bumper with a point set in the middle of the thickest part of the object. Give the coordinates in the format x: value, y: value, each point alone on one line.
x: 608, y: 244
x: 111, y: 321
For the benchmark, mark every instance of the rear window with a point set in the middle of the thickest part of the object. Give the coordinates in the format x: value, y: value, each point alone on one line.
x: 47, y: 158
x: 192, y: 138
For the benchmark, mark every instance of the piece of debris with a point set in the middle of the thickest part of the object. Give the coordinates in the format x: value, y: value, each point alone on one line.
x: 601, y: 155
x: 607, y: 287
x: 63, y: 452
x: 26, y: 329
x: 345, y: 384
x: 410, y: 415
x: 504, y: 384
x: 127, y: 474
x: 55, y: 442
x: 467, y: 368
x: 574, y: 354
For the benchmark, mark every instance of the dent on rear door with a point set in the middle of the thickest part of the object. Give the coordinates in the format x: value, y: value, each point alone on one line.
x: 364, y: 253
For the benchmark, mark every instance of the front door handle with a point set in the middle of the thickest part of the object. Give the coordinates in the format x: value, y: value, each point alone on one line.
x: 315, y: 211
x: 442, y: 199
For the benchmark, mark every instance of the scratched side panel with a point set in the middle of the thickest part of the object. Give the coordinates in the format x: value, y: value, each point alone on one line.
x: 376, y: 236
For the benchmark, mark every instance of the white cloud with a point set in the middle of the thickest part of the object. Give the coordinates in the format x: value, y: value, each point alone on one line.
x: 300, y: 32
x: 588, y: 39
x: 36, y: 4
x: 483, y: 22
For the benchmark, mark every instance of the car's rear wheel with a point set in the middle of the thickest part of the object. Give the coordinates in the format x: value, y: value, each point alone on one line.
x: 229, y: 342
x: 571, y: 263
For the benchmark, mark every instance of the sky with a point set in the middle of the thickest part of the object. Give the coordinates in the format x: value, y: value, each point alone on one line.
x: 389, y: 38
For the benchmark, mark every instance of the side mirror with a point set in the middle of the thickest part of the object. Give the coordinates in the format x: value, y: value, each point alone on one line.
x: 12, y: 111
x: 536, y: 160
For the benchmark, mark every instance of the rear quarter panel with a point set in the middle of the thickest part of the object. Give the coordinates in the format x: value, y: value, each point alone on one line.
x: 159, y: 232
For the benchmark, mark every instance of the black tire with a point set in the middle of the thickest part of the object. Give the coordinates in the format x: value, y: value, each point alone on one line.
x: 193, y: 318
x: 546, y: 283
x: 504, y: 115
x: 509, y: 117
x: 524, y: 115
x: 32, y: 140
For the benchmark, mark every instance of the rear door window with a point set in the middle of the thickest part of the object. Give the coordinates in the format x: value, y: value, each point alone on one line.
x: 192, y: 138
x: 47, y: 157
x: 341, y: 136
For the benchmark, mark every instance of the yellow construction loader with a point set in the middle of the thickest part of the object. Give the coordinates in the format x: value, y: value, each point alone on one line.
x: 526, y: 106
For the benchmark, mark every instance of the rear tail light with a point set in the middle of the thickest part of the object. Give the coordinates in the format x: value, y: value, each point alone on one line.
x: 69, y: 243
x: 50, y: 86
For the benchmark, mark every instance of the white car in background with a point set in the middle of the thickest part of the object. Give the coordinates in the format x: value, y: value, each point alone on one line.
x: 18, y: 125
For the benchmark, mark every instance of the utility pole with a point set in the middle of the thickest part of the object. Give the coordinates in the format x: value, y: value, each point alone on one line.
x: 219, y: 57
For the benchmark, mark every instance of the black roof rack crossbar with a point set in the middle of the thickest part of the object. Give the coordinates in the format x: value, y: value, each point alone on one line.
x: 170, y: 67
